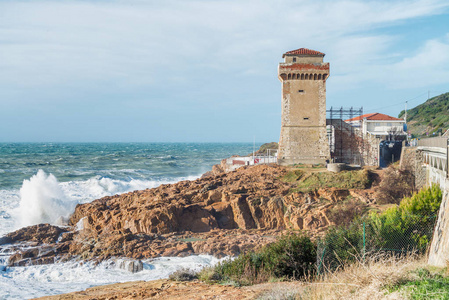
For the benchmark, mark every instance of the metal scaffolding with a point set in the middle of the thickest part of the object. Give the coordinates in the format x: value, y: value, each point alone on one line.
x: 336, y: 118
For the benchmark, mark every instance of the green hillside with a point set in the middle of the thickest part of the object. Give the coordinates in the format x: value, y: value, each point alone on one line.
x: 430, y: 117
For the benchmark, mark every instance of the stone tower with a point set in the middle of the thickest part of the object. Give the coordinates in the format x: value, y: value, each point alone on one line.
x: 303, y: 130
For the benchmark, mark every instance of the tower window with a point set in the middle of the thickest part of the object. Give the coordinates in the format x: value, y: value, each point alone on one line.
x: 294, y: 59
x: 306, y: 118
x: 300, y: 91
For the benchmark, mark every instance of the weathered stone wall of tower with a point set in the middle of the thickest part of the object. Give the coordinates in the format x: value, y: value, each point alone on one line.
x: 303, y: 136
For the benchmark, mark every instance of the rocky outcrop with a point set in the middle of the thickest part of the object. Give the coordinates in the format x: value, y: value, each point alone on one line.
x: 40, y: 234
x: 223, y: 214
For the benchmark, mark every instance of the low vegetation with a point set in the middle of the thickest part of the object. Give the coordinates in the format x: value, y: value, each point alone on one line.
x: 309, y: 181
x: 376, y: 256
x: 291, y: 257
x: 344, y: 214
x: 396, y: 184
x: 430, y: 117
x: 406, y: 228
x: 423, y: 283
x: 183, y: 274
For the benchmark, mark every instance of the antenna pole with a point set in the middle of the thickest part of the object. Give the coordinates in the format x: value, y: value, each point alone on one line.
x: 254, y: 149
x: 405, y: 119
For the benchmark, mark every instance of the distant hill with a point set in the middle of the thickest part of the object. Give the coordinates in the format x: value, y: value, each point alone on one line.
x: 430, y: 117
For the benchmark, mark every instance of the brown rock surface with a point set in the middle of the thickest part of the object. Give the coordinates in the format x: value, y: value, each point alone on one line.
x: 223, y: 214
x: 158, y: 289
x: 41, y: 233
x: 166, y: 289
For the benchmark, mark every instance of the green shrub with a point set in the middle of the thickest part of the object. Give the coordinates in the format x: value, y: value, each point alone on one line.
x: 402, y: 229
x: 209, y: 275
x: 341, y: 245
x: 183, y: 275
x: 345, y: 213
x: 396, y: 184
x: 427, y: 285
x: 408, y: 226
x: 292, y: 256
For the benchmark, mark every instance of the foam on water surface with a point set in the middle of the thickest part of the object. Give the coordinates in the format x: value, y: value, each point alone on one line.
x: 37, y: 281
x: 43, y: 199
x: 43, y: 182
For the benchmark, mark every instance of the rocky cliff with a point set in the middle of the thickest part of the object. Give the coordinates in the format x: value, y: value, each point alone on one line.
x: 219, y: 214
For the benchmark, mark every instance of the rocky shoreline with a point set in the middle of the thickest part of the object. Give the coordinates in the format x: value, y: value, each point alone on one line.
x: 221, y: 214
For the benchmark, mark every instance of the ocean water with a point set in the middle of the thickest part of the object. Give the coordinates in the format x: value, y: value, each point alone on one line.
x: 42, y: 182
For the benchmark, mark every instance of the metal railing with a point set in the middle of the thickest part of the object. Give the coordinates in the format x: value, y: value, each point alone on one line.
x: 439, y: 141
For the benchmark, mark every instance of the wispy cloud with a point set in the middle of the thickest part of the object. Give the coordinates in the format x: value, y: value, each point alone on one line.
x: 135, y: 41
x: 177, y: 49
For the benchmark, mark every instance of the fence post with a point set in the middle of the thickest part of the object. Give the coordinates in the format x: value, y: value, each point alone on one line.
x: 321, y: 261
x: 364, y: 242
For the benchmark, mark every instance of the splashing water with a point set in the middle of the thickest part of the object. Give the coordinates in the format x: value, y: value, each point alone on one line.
x: 42, y: 200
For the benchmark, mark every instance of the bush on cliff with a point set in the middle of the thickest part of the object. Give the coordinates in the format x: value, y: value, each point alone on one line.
x: 410, y: 224
x: 407, y: 227
x: 396, y: 184
x: 292, y: 256
x: 344, y: 214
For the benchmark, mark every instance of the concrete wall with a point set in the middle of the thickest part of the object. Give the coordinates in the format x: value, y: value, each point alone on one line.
x: 426, y: 175
x: 384, y: 126
x: 303, y: 59
x: 439, y: 249
x: 412, y: 159
x: 303, y: 136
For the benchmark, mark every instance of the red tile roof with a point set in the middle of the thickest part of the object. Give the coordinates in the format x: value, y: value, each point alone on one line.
x: 303, y: 51
x: 374, y: 117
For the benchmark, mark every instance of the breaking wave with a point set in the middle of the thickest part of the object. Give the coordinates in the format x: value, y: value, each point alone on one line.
x: 43, y: 199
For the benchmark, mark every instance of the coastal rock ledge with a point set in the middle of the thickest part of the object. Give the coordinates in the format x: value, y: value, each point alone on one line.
x: 218, y: 214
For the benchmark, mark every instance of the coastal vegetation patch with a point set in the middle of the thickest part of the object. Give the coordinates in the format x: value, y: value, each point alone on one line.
x: 290, y: 257
x: 396, y: 184
x: 424, y: 284
x: 429, y: 118
x: 310, y: 181
x: 403, y: 230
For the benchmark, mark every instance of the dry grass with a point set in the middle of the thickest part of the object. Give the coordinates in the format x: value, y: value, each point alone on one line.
x: 368, y: 280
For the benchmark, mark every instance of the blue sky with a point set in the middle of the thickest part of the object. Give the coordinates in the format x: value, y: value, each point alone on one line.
x: 204, y: 71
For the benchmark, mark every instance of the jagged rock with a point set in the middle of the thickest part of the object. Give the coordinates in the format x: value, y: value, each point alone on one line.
x: 132, y: 266
x: 221, y: 214
x: 41, y: 233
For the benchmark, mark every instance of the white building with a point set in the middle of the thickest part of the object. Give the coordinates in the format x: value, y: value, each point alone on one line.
x: 380, y: 126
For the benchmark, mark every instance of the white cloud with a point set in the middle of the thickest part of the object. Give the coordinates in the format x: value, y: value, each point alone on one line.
x: 140, y: 43
x: 428, y: 67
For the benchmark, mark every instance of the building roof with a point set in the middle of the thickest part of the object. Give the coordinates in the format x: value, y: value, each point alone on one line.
x: 303, y: 51
x: 374, y: 117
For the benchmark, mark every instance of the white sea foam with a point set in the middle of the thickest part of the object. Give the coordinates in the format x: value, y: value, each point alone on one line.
x: 37, y: 281
x: 43, y: 199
